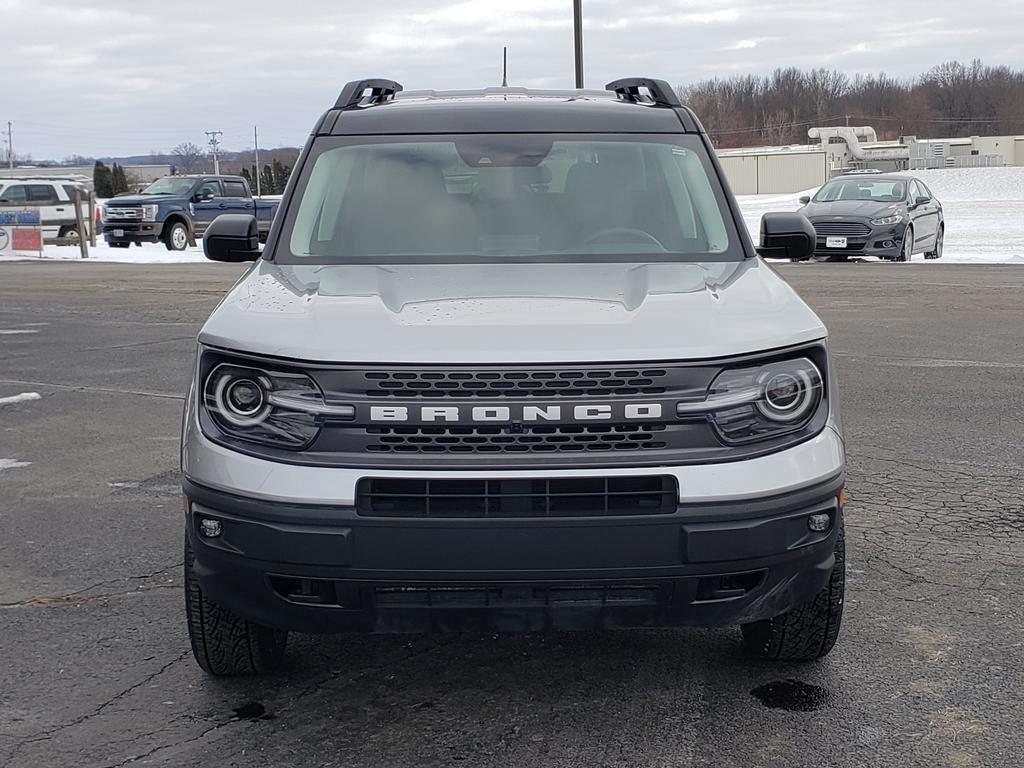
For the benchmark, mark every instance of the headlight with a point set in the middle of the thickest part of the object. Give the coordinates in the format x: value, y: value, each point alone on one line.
x: 759, y: 403
x: 896, y: 218
x: 149, y: 212
x: 276, y: 408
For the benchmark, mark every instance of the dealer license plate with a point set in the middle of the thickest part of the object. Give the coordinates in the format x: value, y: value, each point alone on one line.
x: 835, y: 242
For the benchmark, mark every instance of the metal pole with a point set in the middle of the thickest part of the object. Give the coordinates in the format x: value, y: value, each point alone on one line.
x: 504, y: 67
x: 256, y: 144
x: 577, y: 17
x: 10, y: 145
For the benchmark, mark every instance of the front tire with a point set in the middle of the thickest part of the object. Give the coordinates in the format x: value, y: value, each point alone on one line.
x: 936, y: 252
x: 223, y: 643
x: 907, y: 249
x: 809, y: 631
x: 176, y: 238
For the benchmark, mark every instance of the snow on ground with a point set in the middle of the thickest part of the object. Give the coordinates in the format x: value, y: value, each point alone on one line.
x: 984, y: 212
x: 148, y: 253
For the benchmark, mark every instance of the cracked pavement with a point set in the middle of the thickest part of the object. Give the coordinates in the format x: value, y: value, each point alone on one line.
x: 96, y: 669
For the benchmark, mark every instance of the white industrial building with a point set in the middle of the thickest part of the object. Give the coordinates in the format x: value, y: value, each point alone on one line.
x: 780, y: 170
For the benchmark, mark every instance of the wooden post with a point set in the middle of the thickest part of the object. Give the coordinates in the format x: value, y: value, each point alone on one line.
x: 83, y: 244
x: 92, y: 219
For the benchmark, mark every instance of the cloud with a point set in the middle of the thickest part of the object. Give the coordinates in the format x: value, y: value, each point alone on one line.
x: 94, y: 77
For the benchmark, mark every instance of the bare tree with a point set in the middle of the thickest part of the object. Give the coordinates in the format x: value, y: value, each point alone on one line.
x: 188, y: 157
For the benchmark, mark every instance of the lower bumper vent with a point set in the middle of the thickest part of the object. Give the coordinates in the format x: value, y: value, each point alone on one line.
x: 508, y: 497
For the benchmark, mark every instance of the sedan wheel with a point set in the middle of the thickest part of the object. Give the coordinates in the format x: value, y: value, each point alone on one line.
x: 907, y: 251
x: 936, y: 252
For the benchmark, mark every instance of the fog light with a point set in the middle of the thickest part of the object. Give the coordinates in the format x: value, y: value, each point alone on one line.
x: 819, y: 523
x: 210, y: 528
x: 888, y: 244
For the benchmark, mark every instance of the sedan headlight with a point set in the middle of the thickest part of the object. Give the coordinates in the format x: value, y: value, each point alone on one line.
x: 896, y: 218
x: 268, y: 407
x: 149, y: 212
x: 763, y: 402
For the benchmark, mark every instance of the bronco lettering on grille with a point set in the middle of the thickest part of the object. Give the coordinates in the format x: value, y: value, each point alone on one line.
x: 499, y: 414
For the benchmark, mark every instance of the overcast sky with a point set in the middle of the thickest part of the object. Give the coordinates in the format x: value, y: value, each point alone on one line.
x: 97, y: 77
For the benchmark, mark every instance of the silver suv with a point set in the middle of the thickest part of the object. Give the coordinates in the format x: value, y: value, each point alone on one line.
x: 510, y: 360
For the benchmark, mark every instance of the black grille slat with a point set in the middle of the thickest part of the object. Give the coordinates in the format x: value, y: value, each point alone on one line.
x: 623, y: 437
x: 514, y: 497
x: 519, y: 383
x: 841, y: 229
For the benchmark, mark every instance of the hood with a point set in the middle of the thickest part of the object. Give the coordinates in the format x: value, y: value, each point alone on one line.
x: 507, y: 313
x: 129, y: 200
x: 868, y: 209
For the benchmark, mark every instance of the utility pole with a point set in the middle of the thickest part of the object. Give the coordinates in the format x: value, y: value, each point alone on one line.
x: 256, y: 145
x: 214, y: 147
x: 10, y: 144
x: 577, y: 19
x: 504, y: 67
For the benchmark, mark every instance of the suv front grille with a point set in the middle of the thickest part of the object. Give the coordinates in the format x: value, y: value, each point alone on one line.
x: 529, y: 439
x: 514, y: 497
x: 518, y: 383
x: 123, y: 214
x: 841, y: 229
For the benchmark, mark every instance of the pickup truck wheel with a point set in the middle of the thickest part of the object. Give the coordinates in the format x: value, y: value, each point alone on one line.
x: 223, y: 643
x: 809, y: 631
x: 70, y: 234
x: 176, y: 238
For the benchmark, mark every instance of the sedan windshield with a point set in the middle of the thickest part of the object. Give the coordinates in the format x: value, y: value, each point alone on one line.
x: 510, y: 197
x: 880, y: 191
x: 170, y: 185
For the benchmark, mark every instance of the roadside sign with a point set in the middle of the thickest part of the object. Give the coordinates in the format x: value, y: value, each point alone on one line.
x: 21, y: 232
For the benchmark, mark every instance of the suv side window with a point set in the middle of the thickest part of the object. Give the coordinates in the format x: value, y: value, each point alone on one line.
x: 14, y: 193
x: 41, y: 194
x: 234, y: 189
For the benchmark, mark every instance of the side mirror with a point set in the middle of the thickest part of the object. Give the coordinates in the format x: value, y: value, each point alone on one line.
x: 786, y: 236
x: 919, y: 201
x: 232, y: 237
x: 805, y: 200
x: 204, y: 196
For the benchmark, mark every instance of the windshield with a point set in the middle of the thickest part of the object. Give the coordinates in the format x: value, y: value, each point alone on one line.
x: 508, y: 197
x: 170, y: 185
x: 880, y: 191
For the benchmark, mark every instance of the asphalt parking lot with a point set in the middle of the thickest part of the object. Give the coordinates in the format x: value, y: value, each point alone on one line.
x: 95, y: 668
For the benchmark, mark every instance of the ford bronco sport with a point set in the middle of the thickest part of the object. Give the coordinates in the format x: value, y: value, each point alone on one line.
x: 509, y: 360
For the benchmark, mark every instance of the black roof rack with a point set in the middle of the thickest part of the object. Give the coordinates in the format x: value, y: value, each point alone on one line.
x: 381, y: 90
x: 661, y: 93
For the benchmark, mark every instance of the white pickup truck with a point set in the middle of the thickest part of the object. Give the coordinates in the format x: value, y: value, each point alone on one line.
x: 54, y: 198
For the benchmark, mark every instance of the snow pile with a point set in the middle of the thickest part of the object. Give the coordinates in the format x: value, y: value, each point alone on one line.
x: 984, y: 211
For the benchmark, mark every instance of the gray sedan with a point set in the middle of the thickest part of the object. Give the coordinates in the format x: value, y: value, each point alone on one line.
x: 891, y: 217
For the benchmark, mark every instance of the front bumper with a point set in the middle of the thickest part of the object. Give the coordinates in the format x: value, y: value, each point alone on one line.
x: 881, y: 242
x: 132, y: 231
x: 327, y: 569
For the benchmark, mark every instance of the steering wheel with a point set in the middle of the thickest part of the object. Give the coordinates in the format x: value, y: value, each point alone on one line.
x: 624, y: 232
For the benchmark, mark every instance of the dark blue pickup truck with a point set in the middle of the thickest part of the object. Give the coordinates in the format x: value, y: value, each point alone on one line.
x: 174, y: 209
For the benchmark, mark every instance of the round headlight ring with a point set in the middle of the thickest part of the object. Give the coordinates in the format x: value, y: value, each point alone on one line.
x: 232, y: 405
x: 776, y: 403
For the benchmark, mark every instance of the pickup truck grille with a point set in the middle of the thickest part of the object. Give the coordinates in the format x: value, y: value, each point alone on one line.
x: 122, y: 214
x: 518, y: 382
x: 508, y: 497
x: 825, y: 228
x: 529, y: 439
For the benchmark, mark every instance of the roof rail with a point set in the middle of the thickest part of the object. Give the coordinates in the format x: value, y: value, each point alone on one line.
x: 661, y: 93
x: 381, y: 90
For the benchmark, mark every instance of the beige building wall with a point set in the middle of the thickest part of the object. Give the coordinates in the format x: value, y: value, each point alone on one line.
x: 774, y: 173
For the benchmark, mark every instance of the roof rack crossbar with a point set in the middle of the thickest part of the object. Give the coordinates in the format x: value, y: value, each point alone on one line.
x: 381, y: 90
x: 661, y: 93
